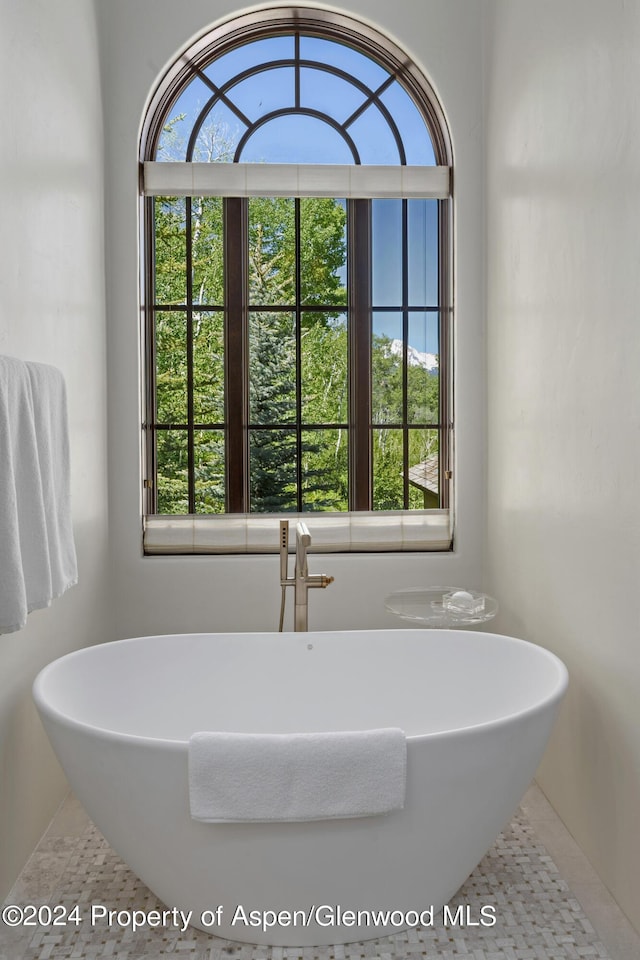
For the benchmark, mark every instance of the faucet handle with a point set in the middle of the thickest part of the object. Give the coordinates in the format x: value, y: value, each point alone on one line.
x: 319, y: 580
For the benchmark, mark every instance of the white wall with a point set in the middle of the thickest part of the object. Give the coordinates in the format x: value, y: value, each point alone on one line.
x: 139, y: 38
x: 563, y: 251
x: 52, y: 310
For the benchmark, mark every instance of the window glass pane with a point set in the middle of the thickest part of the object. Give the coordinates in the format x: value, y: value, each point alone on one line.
x: 386, y: 327
x: 208, y: 367
x: 181, y: 116
x: 423, y: 469
x: 272, y: 456
x: 346, y: 58
x: 172, y: 479
x: 325, y: 480
x: 263, y: 92
x: 388, y: 484
x: 207, y: 250
x: 324, y: 368
x: 422, y: 369
x: 323, y: 251
x: 170, y: 250
x: 373, y: 137
x: 171, y: 366
x: 423, y: 252
x: 413, y: 130
x: 272, y: 251
x: 296, y: 138
x: 386, y: 368
x: 423, y: 338
x: 249, y: 55
x: 329, y: 94
x: 209, y: 471
x: 386, y: 268
x: 218, y: 136
x: 272, y: 368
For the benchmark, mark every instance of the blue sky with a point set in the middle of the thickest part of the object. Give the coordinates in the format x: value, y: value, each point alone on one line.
x: 306, y: 139
x: 293, y: 139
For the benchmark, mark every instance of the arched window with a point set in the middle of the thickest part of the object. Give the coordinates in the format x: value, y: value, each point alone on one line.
x: 296, y: 177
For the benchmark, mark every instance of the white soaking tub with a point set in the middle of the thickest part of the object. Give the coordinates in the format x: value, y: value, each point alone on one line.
x: 477, y: 710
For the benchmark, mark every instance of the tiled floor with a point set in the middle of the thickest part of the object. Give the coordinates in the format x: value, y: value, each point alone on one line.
x: 549, y: 904
x: 612, y: 926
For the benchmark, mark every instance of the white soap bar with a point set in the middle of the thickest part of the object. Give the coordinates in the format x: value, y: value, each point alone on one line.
x: 462, y: 602
x: 461, y: 595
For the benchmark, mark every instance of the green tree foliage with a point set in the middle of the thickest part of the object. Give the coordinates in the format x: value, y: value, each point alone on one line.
x: 387, y: 409
x: 272, y: 401
x: 281, y: 232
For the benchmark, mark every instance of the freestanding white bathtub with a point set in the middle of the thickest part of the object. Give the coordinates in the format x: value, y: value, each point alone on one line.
x: 477, y: 709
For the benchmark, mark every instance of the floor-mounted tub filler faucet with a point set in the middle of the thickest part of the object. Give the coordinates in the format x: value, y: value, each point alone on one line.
x: 302, y: 579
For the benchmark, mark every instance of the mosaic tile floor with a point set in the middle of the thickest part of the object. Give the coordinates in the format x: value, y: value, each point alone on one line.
x: 537, y: 917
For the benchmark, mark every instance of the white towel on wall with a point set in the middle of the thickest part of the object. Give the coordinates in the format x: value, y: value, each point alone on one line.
x: 303, y: 776
x: 28, y: 568
x: 52, y: 439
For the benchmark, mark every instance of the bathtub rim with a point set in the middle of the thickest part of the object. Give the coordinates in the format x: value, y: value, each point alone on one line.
x: 554, y: 696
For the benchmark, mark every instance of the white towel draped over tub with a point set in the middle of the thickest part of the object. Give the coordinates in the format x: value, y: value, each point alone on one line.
x: 37, y: 552
x: 303, y: 776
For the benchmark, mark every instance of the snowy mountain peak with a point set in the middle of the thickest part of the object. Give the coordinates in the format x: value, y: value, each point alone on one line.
x: 415, y: 358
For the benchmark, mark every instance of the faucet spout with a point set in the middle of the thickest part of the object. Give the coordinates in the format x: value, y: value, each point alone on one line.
x: 303, y: 580
x: 303, y: 542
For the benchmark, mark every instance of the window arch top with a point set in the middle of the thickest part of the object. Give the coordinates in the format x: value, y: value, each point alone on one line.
x: 291, y: 96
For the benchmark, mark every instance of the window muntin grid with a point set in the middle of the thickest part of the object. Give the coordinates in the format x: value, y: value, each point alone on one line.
x: 260, y: 82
